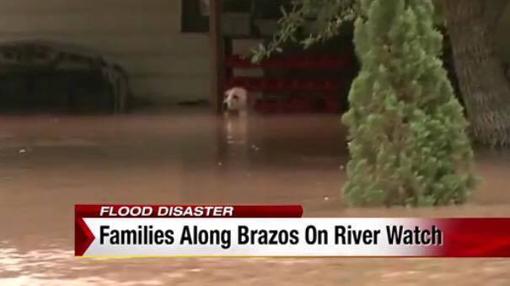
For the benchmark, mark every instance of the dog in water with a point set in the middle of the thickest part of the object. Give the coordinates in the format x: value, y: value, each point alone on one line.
x: 236, y: 102
x: 235, y: 111
x: 238, y: 119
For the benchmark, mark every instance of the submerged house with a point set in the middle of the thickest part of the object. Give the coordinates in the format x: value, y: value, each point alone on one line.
x: 167, y: 47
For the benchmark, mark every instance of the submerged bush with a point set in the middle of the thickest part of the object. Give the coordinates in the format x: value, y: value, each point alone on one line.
x: 407, y: 131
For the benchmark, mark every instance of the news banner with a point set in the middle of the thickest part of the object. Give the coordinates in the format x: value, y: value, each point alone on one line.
x: 277, y: 231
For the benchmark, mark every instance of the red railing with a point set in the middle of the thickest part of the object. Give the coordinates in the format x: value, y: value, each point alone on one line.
x: 324, y: 94
x: 293, y: 62
x: 285, y: 85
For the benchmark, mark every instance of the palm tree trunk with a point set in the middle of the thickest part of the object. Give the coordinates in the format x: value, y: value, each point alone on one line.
x: 485, y: 90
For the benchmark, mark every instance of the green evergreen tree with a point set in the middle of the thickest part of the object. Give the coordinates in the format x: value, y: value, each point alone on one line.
x: 407, y: 131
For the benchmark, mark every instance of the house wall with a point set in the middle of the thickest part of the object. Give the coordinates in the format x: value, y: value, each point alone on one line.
x: 165, y: 65
x: 503, y: 35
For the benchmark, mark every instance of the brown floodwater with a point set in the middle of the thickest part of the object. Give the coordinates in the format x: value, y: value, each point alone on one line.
x: 49, y: 163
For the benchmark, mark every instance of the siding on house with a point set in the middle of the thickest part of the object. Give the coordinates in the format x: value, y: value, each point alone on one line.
x: 502, y: 35
x: 165, y: 65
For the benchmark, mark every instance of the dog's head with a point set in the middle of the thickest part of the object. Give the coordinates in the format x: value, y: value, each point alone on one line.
x: 235, y: 99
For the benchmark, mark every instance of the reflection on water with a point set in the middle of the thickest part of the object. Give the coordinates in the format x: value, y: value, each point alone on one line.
x: 48, y: 164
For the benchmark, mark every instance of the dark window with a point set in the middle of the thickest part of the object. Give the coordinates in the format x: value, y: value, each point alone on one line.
x: 195, y: 16
x: 195, y: 13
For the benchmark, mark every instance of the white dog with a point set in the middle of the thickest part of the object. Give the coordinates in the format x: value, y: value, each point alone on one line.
x: 236, y: 101
x: 235, y: 111
x: 238, y: 120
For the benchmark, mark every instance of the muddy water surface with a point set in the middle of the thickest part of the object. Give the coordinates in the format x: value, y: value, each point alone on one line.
x: 49, y: 163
